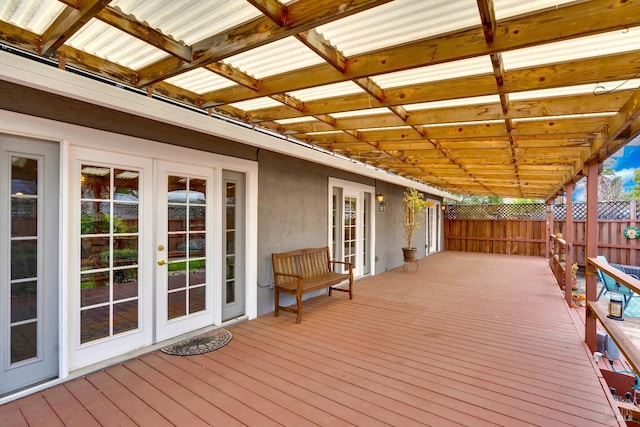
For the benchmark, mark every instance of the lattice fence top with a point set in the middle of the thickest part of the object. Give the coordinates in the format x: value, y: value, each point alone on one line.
x: 523, y: 211
x: 618, y: 210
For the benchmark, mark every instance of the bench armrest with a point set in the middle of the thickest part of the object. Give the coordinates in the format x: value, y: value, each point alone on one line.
x: 342, y: 262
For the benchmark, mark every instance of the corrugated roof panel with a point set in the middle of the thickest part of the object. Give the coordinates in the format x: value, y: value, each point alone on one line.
x: 476, y: 122
x: 564, y: 117
x: 453, y: 103
x: 568, y: 50
x: 297, y: 120
x: 190, y: 21
x: 384, y: 128
x: 509, y: 8
x: 397, y: 22
x: 432, y: 73
x: 256, y: 104
x: 576, y: 90
x: 327, y: 91
x: 358, y: 113
x: 328, y: 132
x: 275, y: 58
x: 34, y: 15
x: 104, y: 41
x: 200, y: 81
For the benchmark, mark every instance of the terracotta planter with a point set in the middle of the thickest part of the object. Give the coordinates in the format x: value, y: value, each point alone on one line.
x: 409, y: 253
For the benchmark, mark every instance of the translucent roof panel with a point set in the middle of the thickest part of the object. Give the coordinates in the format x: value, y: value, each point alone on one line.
x: 297, y: 120
x: 275, y: 58
x: 34, y: 15
x: 565, y: 117
x: 453, y: 103
x: 105, y: 41
x: 200, y: 81
x: 433, y: 73
x: 478, y: 122
x: 190, y: 21
x: 577, y: 90
x: 397, y: 22
x: 327, y: 91
x: 256, y: 104
x: 358, y: 113
x: 509, y: 8
x: 568, y: 50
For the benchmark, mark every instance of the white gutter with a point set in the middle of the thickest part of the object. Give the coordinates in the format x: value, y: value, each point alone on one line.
x: 30, y: 73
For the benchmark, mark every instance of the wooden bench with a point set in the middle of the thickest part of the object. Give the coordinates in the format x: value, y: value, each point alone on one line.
x: 305, y: 270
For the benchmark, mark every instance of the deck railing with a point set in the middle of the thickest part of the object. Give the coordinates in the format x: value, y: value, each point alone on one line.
x: 557, y: 258
x: 626, y: 347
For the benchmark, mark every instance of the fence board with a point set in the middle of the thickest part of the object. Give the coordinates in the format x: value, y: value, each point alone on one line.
x: 520, y: 230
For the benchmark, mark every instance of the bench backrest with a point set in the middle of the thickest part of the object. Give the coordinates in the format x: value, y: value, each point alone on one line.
x: 302, y: 262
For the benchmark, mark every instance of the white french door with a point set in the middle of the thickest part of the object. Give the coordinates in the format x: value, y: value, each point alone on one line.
x: 29, y: 224
x: 233, y: 238
x: 351, y: 224
x: 185, y: 250
x: 110, y: 255
x: 432, y: 228
x: 352, y: 230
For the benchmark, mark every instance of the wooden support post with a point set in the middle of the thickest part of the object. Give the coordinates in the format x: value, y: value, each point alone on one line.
x: 549, y: 230
x: 591, y: 249
x: 569, y: 256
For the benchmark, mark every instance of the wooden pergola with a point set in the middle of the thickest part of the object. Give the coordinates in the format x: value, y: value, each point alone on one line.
x: 473, y: 97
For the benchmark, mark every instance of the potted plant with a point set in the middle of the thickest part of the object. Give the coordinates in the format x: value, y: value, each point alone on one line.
x: 414, y: 205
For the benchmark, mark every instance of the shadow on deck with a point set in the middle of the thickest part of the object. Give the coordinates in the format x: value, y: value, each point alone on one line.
x: 469, y: 339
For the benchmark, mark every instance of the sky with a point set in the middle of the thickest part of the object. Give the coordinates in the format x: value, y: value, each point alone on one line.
x: 624, y: 163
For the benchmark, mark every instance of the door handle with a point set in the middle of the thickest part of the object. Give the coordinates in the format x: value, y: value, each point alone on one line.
x: 161, y: 262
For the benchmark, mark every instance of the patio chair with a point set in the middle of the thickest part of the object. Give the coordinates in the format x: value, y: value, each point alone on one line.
x: 609, y: 284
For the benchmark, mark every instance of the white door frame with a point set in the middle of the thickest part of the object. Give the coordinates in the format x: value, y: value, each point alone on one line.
x: 352, y: 188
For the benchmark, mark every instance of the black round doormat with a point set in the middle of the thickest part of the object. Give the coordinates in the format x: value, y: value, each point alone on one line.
x: 199, y: 345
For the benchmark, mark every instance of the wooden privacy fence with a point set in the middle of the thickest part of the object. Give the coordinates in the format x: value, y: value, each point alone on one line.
x: 613, y: 219
x: 499, y: 229
x: 521, y: 229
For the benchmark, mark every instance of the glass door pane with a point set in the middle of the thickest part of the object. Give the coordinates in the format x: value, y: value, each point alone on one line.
x: 233, y: 294
x: 187, y: 238
x: 350, y: 230
x: 24, y: 257
x: 109, y: 240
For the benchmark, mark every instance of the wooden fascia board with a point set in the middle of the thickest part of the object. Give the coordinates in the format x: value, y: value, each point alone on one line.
x: 18, y: 37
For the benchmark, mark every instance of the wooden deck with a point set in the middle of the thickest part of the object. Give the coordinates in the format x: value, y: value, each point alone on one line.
x: 470, y: 339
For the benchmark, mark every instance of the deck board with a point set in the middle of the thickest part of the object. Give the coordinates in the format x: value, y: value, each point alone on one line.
x: 467, y: 340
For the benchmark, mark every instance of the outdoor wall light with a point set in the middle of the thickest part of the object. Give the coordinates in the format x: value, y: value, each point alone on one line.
x: 616, y: 308
x: 382, y: 206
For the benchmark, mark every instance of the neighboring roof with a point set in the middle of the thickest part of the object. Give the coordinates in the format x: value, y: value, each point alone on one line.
x: 502, y: 97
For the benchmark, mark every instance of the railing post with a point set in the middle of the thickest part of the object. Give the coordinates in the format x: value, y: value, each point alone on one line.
x: 591, y: 249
